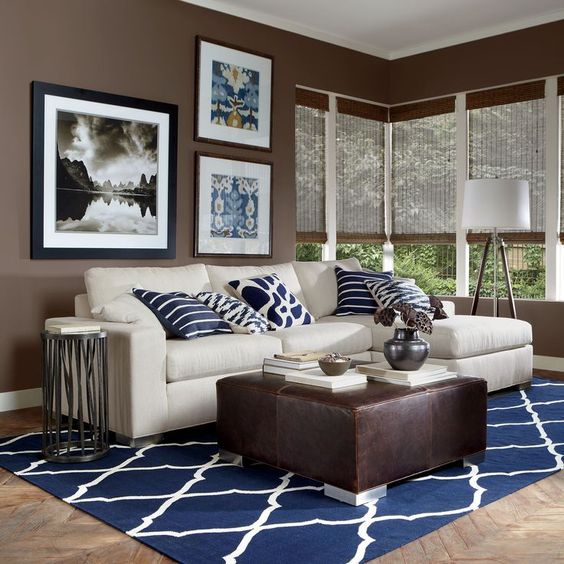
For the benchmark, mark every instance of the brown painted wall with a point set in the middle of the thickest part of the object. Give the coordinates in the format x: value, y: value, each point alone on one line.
x: 526, y: 54
x: 146, y: 49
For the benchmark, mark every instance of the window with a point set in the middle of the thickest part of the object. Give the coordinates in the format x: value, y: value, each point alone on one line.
x: 506, y: 140
x: 424, y: 194
x: 310, y: 166
x: 351, y: 199
x: 360, y: 172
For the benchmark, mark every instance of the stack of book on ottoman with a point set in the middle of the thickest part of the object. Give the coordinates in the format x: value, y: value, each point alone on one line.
x: 427, y: 374
x: 303, y: 368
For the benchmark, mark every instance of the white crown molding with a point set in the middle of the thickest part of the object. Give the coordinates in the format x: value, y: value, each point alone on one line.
x: 491, y: 31
x: 20, y: 399
x: 288, y: 25
x: 294, y: 27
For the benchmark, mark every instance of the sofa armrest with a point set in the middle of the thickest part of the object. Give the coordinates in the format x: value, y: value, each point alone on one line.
x: 449, y: 307
x: 136, y: 376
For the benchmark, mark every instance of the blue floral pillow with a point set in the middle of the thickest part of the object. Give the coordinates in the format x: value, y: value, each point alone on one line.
x: 269, y: 296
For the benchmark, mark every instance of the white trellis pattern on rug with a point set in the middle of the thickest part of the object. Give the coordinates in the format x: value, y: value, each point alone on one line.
x: 519, y: 422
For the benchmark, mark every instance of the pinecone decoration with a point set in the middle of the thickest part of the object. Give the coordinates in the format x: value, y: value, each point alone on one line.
x: 385, y: 316
x: 423, y: 323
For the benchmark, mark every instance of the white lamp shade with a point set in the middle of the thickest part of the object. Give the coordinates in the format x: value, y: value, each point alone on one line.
x: 496, y: 203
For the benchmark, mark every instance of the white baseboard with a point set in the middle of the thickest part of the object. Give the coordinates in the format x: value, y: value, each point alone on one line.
x: 548, y: 362
x: 20, y: 399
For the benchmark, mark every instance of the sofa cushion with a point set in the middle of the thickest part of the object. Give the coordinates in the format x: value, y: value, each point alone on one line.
x: 241, y: 317
x: 126, y: 309
x: 353, y: 297
x: 105, y: 284
x: 344, y: 338
x: 217, y: 355
x: 459, y: 336
x: 319, y: 283
x: 270, y: 297
x: 220, y: 276
x: 182, y: 315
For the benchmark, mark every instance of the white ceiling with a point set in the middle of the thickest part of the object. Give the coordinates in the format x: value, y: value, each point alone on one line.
x: 394, y: 28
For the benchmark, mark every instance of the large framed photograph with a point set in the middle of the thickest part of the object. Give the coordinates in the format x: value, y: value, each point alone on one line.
x: 234, y: 95
x: 233, y: 207
x: 104, y: 175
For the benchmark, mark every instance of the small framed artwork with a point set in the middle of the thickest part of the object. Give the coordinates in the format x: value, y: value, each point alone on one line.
x: 234, y: 95
x: 103, y: 175
x: 233, y: 207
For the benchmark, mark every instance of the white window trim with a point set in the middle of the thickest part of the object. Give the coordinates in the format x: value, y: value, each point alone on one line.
x: 329, y: 251
x: 553, y: 247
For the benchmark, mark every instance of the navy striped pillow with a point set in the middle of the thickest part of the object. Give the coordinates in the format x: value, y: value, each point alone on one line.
x: 390, y: 292
x: 182, y: 315
x: 353, y: 297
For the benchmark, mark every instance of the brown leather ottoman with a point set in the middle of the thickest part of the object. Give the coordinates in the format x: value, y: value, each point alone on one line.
x: 356, y: 440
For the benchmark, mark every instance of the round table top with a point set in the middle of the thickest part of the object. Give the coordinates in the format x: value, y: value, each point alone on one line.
x: 73, y: 336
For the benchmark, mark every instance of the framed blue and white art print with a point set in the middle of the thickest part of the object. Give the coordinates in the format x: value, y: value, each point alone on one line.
x: 233, y: 207
x: 234, y: 96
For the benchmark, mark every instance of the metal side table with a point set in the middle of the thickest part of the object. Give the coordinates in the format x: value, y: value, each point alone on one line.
x: 75, y: 396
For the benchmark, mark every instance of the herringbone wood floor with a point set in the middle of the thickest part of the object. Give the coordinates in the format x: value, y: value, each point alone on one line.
x: 527, y: 526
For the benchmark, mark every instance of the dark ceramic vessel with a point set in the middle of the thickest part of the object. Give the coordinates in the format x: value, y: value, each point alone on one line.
x: 406, y: 351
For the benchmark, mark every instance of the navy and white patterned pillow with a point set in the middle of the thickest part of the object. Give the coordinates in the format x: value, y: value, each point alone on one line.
x: 269, y: 296
x: 182, y: 315
x: 241, y: 317
x: 353, y: 297
x: 390, y: 292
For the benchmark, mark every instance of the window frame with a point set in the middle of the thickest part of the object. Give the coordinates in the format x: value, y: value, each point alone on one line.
x: 554, y: 138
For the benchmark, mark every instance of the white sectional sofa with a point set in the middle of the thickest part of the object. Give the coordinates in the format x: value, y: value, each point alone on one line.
x: 158, y: 384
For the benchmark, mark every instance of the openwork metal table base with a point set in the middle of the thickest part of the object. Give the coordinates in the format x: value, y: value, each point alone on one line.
x: 75, y: 397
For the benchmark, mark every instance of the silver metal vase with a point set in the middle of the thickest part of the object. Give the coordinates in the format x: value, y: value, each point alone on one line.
x: 406, y: 350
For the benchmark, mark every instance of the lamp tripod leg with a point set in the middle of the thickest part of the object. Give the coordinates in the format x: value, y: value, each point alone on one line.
x: 507, y: 277
x: 481, y: 276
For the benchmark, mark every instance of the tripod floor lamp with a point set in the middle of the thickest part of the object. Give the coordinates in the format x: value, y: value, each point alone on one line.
x: 496, y: 204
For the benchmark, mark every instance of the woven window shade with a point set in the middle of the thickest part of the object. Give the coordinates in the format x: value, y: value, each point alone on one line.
x: 362, y: 109
x: 508, y: 141
x: 561, y: 86
x: 312, y: 99
x: 360, y: 179
x: 419, y: 110
x: 505, y: 95
x: 310, y: 175
x: 424, y: 180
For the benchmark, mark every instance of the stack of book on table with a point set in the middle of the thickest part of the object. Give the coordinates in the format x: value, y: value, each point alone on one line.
x: 427, y: 374
x: 303, y: 368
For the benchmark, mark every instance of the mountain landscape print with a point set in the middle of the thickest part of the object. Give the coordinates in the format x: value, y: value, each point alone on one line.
x: 106, y: 175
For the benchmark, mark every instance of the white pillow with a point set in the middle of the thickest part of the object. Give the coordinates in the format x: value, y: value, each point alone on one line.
x: 126, y: 308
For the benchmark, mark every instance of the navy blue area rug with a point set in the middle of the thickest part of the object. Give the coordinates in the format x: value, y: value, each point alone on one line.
x: 181, y: 500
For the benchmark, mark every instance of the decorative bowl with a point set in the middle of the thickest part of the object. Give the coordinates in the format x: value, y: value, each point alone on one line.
x: 335, y: 367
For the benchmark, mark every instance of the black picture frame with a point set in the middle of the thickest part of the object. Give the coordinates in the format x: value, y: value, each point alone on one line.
x: 42, y: 184
x: 198, y: 221
x: 201, y: 136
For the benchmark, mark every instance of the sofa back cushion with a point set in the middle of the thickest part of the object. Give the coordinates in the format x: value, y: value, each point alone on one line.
x: 220, y: 276
x: 319, y: 283
x: 105, y: 284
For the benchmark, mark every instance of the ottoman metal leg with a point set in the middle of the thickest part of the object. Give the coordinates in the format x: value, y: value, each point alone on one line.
x: 236, y: 459
x: 352, y: 498
x: 477, y: 458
